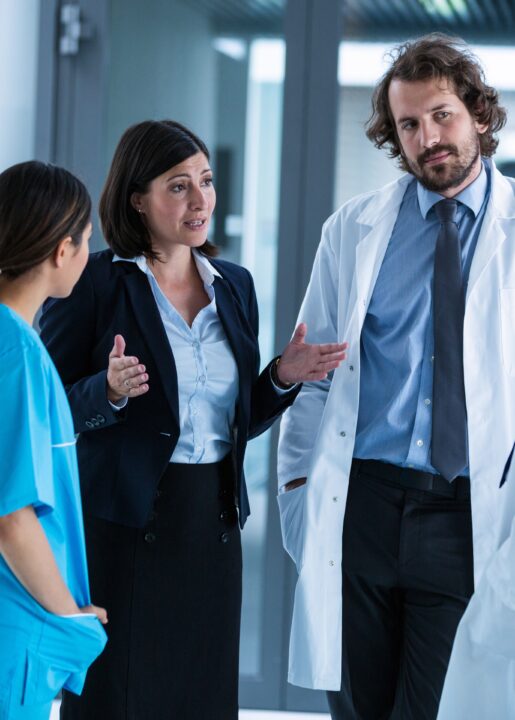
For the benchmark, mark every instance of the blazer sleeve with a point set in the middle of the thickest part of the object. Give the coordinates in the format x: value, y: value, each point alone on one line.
x: 68, y: 328
x: 266, y: 403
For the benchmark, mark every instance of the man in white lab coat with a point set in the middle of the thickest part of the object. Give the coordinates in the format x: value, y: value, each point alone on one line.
x: 409, y: 441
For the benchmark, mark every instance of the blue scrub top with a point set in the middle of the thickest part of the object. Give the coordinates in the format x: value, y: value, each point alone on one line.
x: 38, y: 467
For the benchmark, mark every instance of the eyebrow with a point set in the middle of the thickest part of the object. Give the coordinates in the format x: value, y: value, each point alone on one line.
x: 441, y: 106
x: 186, y: 175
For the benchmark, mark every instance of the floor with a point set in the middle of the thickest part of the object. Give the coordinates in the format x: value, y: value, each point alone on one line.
x: 246, y: 715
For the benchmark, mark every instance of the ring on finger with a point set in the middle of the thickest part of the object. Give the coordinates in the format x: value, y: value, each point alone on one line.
x: 127, y: 383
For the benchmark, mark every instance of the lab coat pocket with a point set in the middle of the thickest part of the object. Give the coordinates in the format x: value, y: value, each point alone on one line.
x: 507, y: 300
x: 66, y: 648
x: 291, y: 510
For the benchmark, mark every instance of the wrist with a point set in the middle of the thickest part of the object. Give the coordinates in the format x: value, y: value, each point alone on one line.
x: 275, y: 376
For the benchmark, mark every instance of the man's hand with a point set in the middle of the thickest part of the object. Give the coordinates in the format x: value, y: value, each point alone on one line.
x: 298, y: 482
x: 125, y: 377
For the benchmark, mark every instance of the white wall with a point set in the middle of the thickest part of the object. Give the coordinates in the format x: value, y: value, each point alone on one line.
x: 19, y: 25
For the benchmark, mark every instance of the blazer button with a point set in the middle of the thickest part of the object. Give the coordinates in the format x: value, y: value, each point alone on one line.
x: 224, y: 537
x: 223, y: 514
x: 89, y: 424
x: 150, y: 537
x: 101, y: 419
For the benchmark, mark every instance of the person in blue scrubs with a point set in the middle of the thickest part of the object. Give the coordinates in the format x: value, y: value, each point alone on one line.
x: 49, y: 631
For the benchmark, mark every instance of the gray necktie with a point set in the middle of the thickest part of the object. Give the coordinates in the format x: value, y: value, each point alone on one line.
x: 449, y: 439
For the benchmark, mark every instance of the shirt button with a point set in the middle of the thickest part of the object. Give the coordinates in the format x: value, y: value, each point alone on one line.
x: 196, y: 344
x: 427, y: 401
x: 432, y: 358
x: 335, y: 498
x: 202, y: 379
x: 331, y: 563
x: 420, y: 443
x: 343, y: 433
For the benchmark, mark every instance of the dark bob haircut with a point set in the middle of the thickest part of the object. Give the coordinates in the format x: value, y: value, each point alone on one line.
x: 40, y: 205
x: 436, y: 56
x: 145, y: 151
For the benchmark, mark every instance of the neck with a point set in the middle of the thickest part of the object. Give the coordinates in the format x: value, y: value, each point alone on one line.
x: 176, y: 265
x: 24, y: 296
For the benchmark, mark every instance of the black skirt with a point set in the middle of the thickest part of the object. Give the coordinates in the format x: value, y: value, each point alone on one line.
x: 172, y: 591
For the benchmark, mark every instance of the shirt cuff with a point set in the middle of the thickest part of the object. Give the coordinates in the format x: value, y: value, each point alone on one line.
x: 279, y: 390
x: 116, y: 407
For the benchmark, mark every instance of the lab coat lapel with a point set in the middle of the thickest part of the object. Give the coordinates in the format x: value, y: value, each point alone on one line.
x: 377, y: 222
x: 153, y: 332
x: 498, y: 224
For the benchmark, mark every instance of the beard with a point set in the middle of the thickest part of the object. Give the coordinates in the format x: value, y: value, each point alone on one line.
x: 451, y: 173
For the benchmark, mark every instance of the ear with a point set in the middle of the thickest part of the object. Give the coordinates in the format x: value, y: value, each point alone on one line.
x: 137, y: 202
x: 62, y: 251
x: 481, y: 128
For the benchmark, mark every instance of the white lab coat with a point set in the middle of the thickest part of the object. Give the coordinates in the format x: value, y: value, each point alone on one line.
x: 318, y: 431
x: 480, y: 681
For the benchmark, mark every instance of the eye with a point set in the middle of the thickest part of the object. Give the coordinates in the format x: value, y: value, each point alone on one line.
x: 208, y: 182
x: 408, y: 125
x: 178, y: 188
x: 442, y: 115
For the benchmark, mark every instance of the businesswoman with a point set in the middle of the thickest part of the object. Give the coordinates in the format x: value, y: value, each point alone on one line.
x: 49, y: 631
x: 158, y: 349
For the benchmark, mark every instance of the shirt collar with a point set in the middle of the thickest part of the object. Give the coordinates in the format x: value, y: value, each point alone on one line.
x: 206, y: 271
x: 472, y: 196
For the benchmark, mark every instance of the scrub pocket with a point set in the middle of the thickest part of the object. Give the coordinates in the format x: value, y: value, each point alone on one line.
x: 65, y: 649
x: 291, y: 510
x: 507, y: 300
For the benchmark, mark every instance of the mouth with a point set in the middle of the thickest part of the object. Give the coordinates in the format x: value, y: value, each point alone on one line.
x: 195, y: 225
x: 437, y: 159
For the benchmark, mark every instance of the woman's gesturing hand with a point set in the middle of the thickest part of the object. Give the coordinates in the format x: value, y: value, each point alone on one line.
x: 125, y: 376
x: 302, y: 362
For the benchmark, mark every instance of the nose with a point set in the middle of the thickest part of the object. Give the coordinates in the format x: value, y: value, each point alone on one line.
x: 197, y: 198
x: 429, y: 134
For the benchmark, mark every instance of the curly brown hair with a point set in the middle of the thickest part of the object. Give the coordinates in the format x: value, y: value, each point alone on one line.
x: 436, y: 56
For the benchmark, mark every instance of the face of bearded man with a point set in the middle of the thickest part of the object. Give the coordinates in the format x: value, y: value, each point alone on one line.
x: 438, y: 136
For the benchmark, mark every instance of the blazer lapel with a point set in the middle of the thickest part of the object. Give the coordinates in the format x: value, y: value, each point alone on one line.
x: 152, y: 329
x: 234, y: 321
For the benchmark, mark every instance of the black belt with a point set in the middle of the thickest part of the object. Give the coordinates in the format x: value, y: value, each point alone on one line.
x: 412, y: 479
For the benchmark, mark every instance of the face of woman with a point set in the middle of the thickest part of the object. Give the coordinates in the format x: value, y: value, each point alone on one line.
x: 178, y: 204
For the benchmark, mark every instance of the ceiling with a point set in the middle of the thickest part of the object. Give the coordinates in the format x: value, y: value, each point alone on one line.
x: 476, y: 20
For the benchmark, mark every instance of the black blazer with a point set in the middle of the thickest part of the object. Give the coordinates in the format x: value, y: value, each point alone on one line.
x: 123, y: 455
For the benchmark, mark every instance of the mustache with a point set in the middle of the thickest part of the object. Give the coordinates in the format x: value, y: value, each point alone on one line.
x: 438, y: 150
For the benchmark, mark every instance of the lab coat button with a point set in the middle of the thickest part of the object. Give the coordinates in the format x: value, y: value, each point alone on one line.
x: 343, y: 433
x: 331, y: 563
x: 335, y: 498
x: 351, y: 368
x: 420, y: 443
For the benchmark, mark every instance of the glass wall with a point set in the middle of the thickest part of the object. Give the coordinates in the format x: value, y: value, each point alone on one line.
x: 220, y: 72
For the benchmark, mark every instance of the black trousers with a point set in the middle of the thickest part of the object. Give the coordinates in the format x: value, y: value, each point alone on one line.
x: 407, y: 578
x: 173, y: 595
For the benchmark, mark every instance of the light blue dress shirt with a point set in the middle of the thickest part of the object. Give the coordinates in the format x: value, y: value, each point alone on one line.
x: 207, y: 374
x: 40, y: 652
x: 396, y: 382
